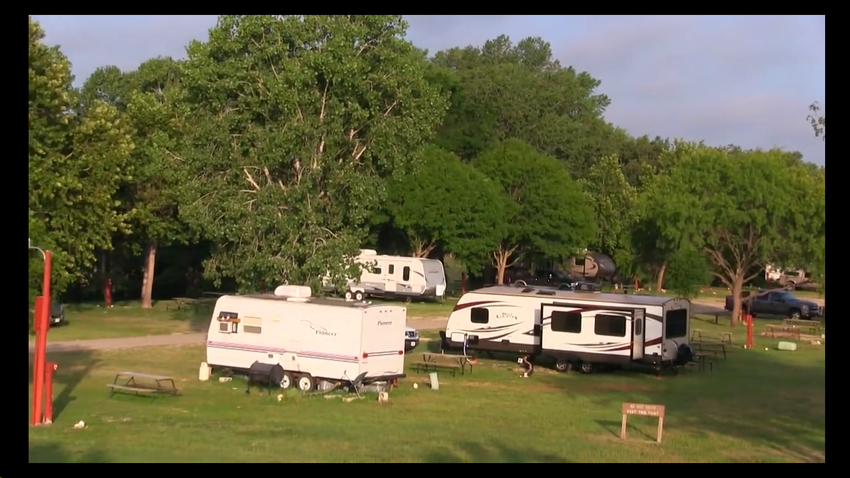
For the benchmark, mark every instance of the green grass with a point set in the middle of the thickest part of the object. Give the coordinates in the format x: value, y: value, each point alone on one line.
x: 757, y: 406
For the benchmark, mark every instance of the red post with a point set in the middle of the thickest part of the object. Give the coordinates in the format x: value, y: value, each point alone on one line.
x: 749, y: 318
x: 42, y: 325
x: 48, y: 392
x: 463, y: 282
x: 107, y: 292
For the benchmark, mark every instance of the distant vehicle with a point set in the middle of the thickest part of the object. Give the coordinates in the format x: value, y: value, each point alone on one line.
x: 593, y: 265
x: 778, y: 302
x: 772, y: 274
x: 397, y: 277
x: 411, y: 339
x: 314, y: 339
x: 57, y: 315
x: 796, y: 279
x: 555, y: 280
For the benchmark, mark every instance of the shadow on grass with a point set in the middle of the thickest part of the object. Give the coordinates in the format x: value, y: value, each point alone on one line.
x: 470, y: 452
x: 197, y: 314
x: 73, y: 368
x: 761, y: 398
x: 54, y: 453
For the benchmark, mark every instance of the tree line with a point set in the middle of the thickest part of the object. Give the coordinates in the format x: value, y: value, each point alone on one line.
x: 282, y: 144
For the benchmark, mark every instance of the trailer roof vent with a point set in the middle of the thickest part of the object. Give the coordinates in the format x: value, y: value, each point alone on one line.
x: 300, y: 291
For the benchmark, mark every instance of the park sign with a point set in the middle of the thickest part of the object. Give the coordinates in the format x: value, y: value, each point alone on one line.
x: 644, y: 410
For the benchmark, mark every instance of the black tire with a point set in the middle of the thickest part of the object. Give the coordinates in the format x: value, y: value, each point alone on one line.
x: 349, y: 295
x: 306, y: 383
x: 359, y: 296
x: 287, y: 381
x: 795, y: 314
x: 586, y: 367
x: 563, y: 366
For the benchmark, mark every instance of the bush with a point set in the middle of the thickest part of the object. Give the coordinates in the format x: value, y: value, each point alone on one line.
x: 687, y: 271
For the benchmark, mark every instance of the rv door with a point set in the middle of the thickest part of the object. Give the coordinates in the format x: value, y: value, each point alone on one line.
x: 391, y: 272
x: 638, y: 316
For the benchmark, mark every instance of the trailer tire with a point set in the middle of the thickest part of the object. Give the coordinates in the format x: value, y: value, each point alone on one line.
x: 586, y: 367
x: 564, y: 366
x: 306, y: 383
x: 349, y: 295
x: 359, y: 296
x: 287, y: 381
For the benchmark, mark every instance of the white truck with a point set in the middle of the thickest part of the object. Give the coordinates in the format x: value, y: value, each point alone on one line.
x: 312, y: 338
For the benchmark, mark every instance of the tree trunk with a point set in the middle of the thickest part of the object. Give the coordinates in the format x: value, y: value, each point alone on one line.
x: 737, y: 301
x: 421, y: 248
x: 659, y: 280
x: 147, y: 275
x: 501, y: 266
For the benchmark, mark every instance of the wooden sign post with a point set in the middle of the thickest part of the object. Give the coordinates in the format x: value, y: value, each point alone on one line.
x: 645, y: 410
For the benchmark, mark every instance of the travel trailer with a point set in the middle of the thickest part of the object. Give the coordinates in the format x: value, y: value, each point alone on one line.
x: 313, y: 338
x: 577, y: 329
x: 397, y: 276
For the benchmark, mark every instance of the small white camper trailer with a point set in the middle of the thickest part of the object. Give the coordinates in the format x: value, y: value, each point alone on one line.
x: 312, y: 338
x: 397, y: 276
x: 578, y: 329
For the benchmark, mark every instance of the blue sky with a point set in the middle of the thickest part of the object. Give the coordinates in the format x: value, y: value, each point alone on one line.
x: 746, y: 80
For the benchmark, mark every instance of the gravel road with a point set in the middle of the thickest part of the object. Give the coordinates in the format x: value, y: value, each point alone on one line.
x: 707, y: 306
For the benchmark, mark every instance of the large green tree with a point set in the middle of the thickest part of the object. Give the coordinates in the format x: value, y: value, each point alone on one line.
x: 77, y: 160
x: 297, y: 121
x: 742, y: 209
x: 545, y: 210
x: 445, y: 201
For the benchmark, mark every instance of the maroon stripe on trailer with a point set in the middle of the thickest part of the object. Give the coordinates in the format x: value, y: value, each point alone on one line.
x: 473, y: 304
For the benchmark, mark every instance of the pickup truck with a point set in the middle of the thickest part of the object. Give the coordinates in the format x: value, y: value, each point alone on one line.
x: 780, y: 302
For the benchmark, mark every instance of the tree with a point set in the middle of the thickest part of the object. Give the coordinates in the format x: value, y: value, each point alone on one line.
x: 688, y: 271
x: 520, y: 91
x: 817, y: 120
x: 614, y: 203
x: 545, y: 211
x: 446, y: 201
x: 77, y: 159
x: 741, y: 209
x: 297, y: 121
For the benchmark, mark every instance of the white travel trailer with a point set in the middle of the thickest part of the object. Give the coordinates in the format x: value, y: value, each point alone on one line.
x: 312, y: 338
x: 397, y: 276
x: 578, y: 329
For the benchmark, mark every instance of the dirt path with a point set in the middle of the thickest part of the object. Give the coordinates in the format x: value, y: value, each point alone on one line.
x: 179, y: 339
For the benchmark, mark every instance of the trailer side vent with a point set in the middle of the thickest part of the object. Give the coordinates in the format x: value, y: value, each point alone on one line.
x: 545, y: 292
x: 528, y: 289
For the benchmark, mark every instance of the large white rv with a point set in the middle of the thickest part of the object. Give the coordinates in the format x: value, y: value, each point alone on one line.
x: 578, y: 329
x: 397, y: 276
x: 312, y: 338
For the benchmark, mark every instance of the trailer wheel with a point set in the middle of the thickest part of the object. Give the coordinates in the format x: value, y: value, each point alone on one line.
x: 562, y: 365
x: 306, y: 383
x: 586, y: 367
x: 348, y: 295
x: 359, y: 296
x: 287, y: 381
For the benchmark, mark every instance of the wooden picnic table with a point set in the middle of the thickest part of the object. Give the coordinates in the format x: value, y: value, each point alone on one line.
x: 704, y: 335
x: 163, y: 384
x: 813, y: 326
x: 772, y: 330
x: 449, y: 362
x: 701, y: 362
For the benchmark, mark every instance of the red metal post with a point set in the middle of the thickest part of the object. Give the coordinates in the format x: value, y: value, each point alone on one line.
x: 749, y: 331
x: 48, y: 392
x: 37, y: 380
x: 42, y: 326
x: 463, y: 282
x: 107, y: 292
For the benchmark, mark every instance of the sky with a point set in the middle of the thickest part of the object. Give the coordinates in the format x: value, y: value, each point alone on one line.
x: 745, y: 80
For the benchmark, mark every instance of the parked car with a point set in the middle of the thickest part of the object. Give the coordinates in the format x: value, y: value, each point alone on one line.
x: 796, y: 279
x: 411, y: 339
x: 778, y: 302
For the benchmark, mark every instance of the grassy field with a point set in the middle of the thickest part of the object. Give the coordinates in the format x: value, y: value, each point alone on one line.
x: 757, y: 406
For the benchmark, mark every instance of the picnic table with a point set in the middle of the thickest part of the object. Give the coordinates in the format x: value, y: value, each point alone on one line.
x: 704, y: 335
x: 185, y: 302
x: 786, y: 330
x: 813, y: 326
x: 701, y: 362
x: 436, y: 362
x: 157, y: 384
x: 703, y: 348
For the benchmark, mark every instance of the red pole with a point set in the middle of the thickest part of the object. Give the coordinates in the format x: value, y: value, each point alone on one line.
x: 107, y: 292
x: 36, y: 378
x: 48, y: 392
x: 463, y: 282
x: 749, y: 331
x: 42, y: 325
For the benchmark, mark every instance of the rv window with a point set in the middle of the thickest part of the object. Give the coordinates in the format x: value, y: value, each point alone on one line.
x: 405, y: 273
x: 252, y: 329
x: 677, y: 324
x: 638, y: 327
x: 391, y: 269
x: 224, y: 327
x: 478, y: 315
x: 252, y: 325
x: 610, y: 325
x: 566, y: 322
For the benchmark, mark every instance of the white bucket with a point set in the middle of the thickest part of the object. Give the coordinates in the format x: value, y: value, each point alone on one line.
x: 204, y: 372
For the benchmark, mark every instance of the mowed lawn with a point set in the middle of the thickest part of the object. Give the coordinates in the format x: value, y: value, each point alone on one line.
x: 127, y: 319
x: 757, y: 406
